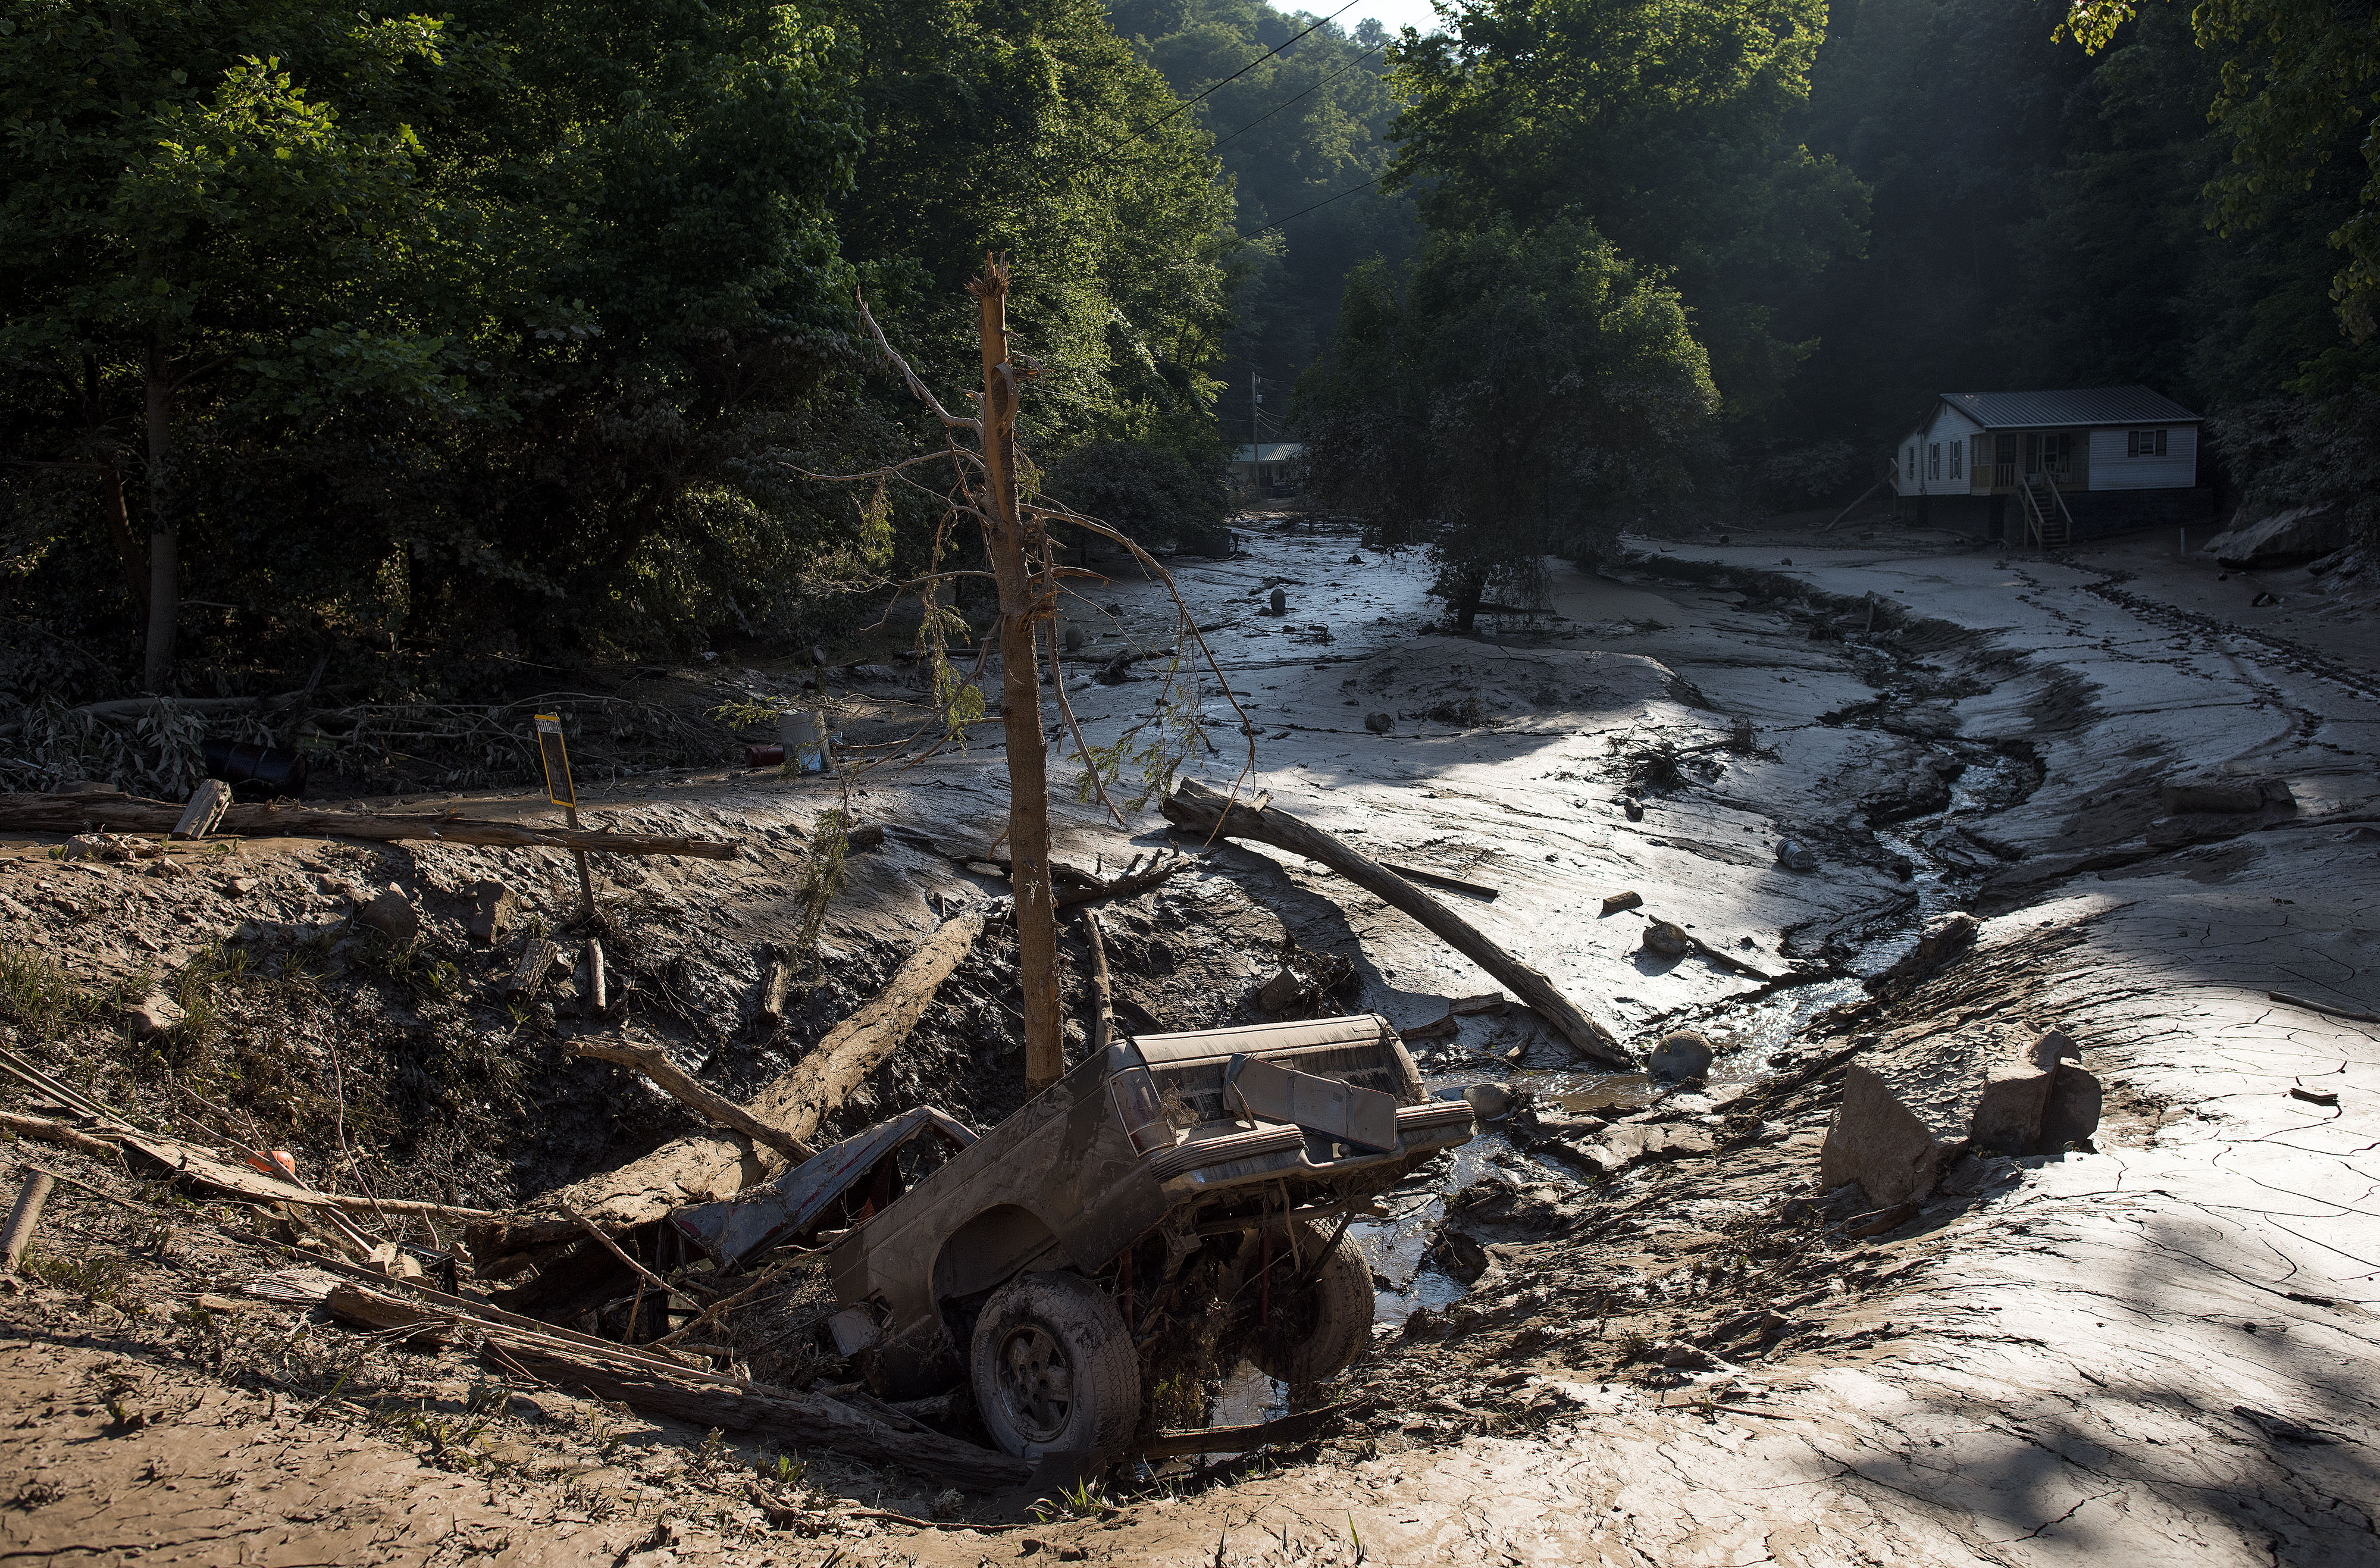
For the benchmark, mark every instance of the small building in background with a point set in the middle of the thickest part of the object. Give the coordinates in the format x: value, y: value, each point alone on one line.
x: 1270, y: 471
x: 2050, y: 467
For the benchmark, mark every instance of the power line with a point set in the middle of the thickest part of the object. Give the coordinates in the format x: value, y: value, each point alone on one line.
x: 1324, y: 202
x: 1317, y: 87
x: 1180, y: 108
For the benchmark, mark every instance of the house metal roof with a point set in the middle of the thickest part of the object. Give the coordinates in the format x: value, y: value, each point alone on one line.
x: 2085, y: 406
x: 1270, y: 452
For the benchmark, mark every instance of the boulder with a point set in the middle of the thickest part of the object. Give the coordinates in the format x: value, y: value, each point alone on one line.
x: 1378, y: 723
x: 1279, y: 602
x: 1917, y: 1104
x: 2295, y: 533
x: 1683, y: 1055
x: 390, y: 914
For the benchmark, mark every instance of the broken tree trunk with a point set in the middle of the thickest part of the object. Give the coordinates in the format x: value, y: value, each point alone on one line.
x: 1027, y: 599
x: 1206, y: 811
x: 125, y: 813
x: 721, y: 1111
x: 713, y: 1164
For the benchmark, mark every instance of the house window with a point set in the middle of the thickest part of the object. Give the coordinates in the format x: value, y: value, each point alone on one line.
x: 2144, y: 443
x: 1958, y: 452
x: 1933, y: 461
x: 1908, y: 464
x: 2056, y: 448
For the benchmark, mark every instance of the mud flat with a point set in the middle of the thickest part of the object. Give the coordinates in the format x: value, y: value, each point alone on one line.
x: 1631, y: 1322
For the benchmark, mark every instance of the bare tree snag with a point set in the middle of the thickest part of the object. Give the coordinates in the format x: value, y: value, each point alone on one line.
x: 1026, y: 599
x: 710, y: 1164
x: 1210, y: 812
x: 76, y: 813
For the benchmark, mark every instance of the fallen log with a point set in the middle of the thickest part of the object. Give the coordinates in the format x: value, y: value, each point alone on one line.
x: 1124, y: 886
x: 1210, y: 813
x: 721, y: 1111
x: 632, y: 1376
x: 47, y: 1131
x: 125, y: 813
x: 804, y: 1418
x: 704, y: 1165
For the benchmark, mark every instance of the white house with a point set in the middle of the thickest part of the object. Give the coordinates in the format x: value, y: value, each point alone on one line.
x: 2052, y: 466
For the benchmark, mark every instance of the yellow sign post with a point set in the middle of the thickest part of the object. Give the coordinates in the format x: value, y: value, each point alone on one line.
x: 564, y: 793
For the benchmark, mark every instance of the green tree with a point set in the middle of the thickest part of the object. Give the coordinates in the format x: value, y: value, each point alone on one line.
x: 183, y: 210
x: 1671, y: 127
x: 1517, y: 395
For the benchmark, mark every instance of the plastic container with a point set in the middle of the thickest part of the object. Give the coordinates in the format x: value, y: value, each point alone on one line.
x: 255, y: 771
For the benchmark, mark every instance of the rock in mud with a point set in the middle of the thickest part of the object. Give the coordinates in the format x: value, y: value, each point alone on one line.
x: 1796, y: 857
x: 154, y: 1013
x: 390, y: 914
x: 1944, y: 938
x: 1917, y: 1104
x: 1279, y: 602
x: 1633, y: 808
x: 1490, y: 1102
x: 493, y: 907
x: 1282, y: 992
x: 1666, y: 938
x: 1378, y: 723
x: 1682, y: 1056
x: 1074, y: 639
x: 2295, y: 533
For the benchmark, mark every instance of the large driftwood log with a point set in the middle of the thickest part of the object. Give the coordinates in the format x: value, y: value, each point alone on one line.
x: 713, y: 1164
x: 125, y: 813
x: 1210, y: 813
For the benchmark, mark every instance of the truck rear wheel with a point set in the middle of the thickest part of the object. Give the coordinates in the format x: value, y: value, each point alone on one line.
x: 1053, y: 1368
x: 1316, y: 1331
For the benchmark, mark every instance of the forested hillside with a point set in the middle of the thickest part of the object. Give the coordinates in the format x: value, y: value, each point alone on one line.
x: 1304, y: 137
x: 514, y: 326
x: 1860, y: 204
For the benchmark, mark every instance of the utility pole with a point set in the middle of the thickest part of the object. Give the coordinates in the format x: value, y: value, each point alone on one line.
x: 1026, y: 599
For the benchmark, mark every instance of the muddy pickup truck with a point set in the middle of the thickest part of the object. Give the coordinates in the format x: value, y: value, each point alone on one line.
x: 1174, y: 1203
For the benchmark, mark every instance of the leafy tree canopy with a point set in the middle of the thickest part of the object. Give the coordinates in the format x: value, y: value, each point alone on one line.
x: 1512, y: 395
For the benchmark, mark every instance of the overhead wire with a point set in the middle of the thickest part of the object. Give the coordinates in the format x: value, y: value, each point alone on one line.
x: 1187, y: 104
x: 1325, y: 201
x: 1317, y: 87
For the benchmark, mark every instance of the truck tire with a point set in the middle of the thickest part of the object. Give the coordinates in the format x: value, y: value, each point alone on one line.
x: 1319, y: 1330
x: 1053, y: 1368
